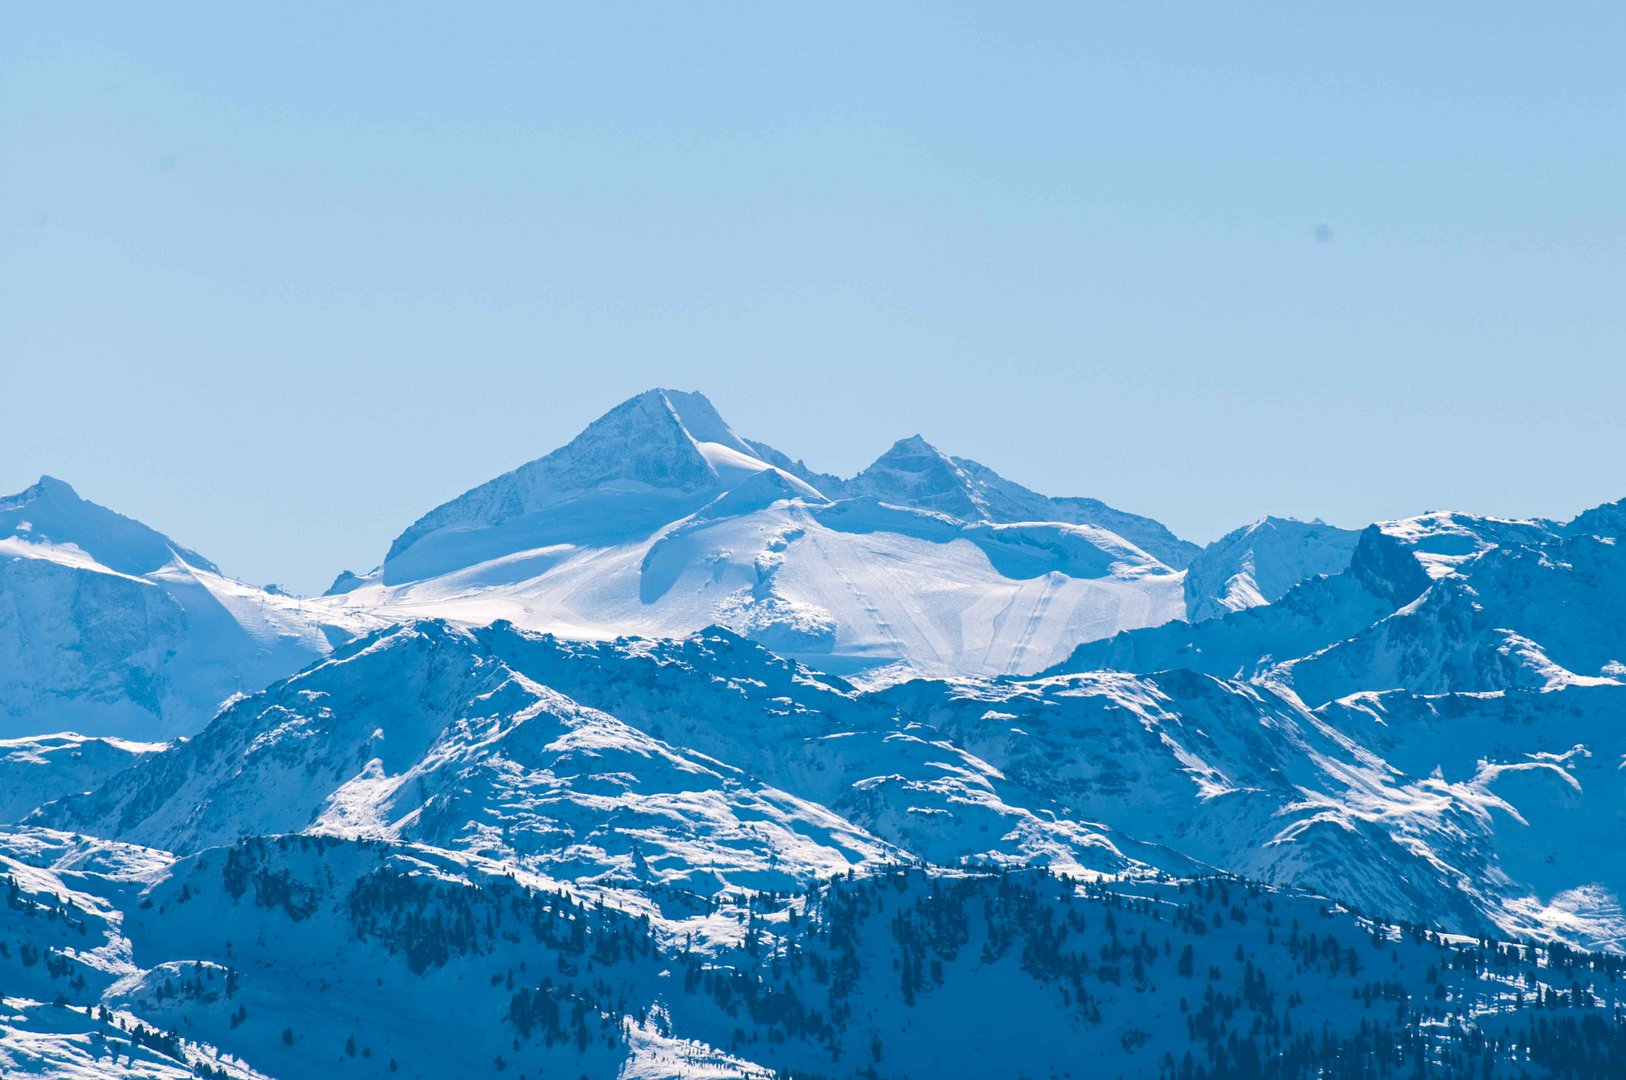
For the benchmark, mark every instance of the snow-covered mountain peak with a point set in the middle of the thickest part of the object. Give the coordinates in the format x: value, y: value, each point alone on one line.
x: 428, y: 732
x: 728, y: 457
x: 1258, y: 563
x: 1272, y: 523
x: 647, y: 462
x: 1454, y: 533
x: 1443, y: 542
x: 50, y: 520
x: 659, y: 519
x: 46, y: 485
x: 913, y: 449
x: 699, y: 418
x: 917, y: 474
x: 108, y: 627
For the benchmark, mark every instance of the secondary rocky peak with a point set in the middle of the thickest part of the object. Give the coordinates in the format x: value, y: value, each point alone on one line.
x: 915, y: 473
x: 1258, y: 563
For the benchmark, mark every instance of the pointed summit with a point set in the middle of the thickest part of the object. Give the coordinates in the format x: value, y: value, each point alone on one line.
x: 51, y: 515
x: 699, y: 418
x: 1258, y: 563
x: 916, y: 474
x: 111, y: 628
x: 659, y: 518
x: 49, y: 486
x: 663, y: 449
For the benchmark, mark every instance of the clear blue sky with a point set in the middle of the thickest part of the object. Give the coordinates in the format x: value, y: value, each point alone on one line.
x: 278, y: 279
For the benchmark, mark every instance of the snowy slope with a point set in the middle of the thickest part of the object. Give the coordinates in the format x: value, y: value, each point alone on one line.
x: 709, y: 763
x: 1445, y: 602
x: 767, y: 798
x: 915, y: 473
x: 452, y: 737
x: 41, y: 768
x: 659, y: 520
x: 1538, y: 778
x: 109, y: 628
x: 319, y: 957
x: 1256, y: 564
x: 1242, y: 778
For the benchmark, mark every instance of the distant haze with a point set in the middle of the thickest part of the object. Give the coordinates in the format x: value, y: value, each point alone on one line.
x: 278, y: 283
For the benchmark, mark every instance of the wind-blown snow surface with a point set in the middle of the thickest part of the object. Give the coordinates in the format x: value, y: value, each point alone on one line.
x: 110, y: 628
x: 659, y: 520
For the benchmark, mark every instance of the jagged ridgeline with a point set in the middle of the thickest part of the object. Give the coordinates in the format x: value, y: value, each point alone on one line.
x: 316, y: 956
x: 667, y: 755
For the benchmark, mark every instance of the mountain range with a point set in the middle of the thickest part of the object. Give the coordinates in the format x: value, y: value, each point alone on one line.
x: 667, y: 755
x: 660, y: 520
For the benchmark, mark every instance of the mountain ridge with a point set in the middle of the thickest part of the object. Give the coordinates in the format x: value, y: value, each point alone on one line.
x: 670, y: 757
x: 659, y: 519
